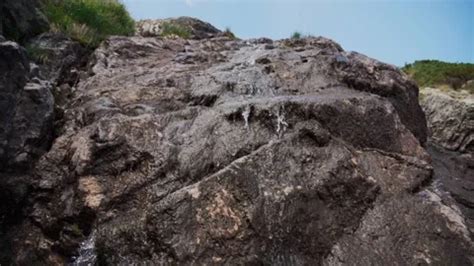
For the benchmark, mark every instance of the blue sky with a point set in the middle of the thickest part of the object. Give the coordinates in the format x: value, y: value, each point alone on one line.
x: 393, y: 31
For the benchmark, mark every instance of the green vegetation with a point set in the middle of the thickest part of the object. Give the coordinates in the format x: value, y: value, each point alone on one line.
x: 171, y: 29
x: 433, y: 73
x: 296, y: 35
x: 228, y: 32
x: 37, y: 54
x: 89, y: 21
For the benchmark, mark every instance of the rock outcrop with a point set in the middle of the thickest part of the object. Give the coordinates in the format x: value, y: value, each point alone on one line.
x: 26, y: 132
x: 450, y: 117
x: 196, y: 28
x: 220, y: 151
x: 21, y: 20
x: 60, y: 59
x: 26, y: 106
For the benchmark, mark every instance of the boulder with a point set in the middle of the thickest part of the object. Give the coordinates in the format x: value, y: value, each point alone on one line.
x: 219, y: 151
x: 450, y: 117
x: 196, y: 28
x: 21, y: 20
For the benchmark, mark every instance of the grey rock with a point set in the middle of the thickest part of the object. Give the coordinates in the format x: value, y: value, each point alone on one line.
x: 34, y: 71
x: 27, y: 109
x: 26, y: 132
x: 32, y: 126
x: 21, y: 20
x: 197, y: 28
x: 219, y: 151
x: 14, y: 70
x: 58, y: 57
x: 450, y: 118
x: 454, y: 173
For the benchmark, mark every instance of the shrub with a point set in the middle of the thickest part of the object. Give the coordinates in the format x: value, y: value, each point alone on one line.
x: 171, y: 29
x: 436, y: 73
x: 296, y: 35
x: 228, y: 32
x: 89, y: 21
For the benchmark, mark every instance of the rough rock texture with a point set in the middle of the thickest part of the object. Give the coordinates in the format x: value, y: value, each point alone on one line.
x: 221, y: 151
x: 454, y: 173
x: 198, y: 29
x: 59, y: 57
x: 26, y: 114
x: 21, y: 20
x: 450, y: 119
x: 450, y: 116
x: 26, y: 127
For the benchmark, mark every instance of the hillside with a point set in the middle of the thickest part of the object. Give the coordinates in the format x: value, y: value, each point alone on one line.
x: 433, y: 73
x: 184, y: 145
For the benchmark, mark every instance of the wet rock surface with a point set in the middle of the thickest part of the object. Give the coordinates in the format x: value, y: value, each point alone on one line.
x: 220, y: 151
x: 454, y: 173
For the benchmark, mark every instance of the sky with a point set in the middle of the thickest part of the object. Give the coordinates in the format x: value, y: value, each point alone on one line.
x: 393, y: 31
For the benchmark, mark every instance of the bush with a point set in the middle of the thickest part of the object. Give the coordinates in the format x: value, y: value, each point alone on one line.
x: 89, y: 21
x: 228, y: 32
x: 296, y: 35
x: 37, y: 54
x: 171, y: 29
x: 435, y: 73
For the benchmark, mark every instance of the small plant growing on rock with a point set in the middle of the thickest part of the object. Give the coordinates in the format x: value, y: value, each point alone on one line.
x: 296, y: 35
x: 38, y: 55
x: 228, y: 32
x: 170, y: 29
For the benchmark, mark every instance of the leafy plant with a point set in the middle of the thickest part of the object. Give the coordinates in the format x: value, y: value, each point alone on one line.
x: 296, y: 35
x: 171, y: 29
x: 89, y: 21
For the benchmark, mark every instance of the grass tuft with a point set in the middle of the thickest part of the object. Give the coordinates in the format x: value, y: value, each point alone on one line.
x: 89, y: 21
x: 228, y: 32
x: 171, y: 29
x: 37, y: 54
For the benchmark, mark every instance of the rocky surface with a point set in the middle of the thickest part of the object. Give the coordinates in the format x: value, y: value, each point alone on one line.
x: 60, y: 59
x: 26, y: 132
x: 26, y: 109
x: 450, y: 117
x: 21, y: 20
x: 220, y: 151
x: 197, y: 29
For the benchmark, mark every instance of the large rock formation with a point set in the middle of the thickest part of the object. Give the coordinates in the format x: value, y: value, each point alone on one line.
x: 26, y: 105
x: 26, y: 127
x: 450, y: 118
x: 220, y: 151
x: 21, y: 20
